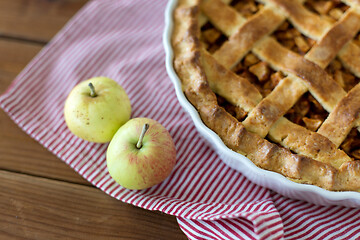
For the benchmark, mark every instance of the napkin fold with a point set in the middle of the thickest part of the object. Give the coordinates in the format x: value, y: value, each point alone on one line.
x: 123, y: 40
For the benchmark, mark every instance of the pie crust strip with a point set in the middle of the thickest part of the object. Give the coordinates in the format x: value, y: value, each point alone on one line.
x: 242, y: 40
x: 222, y: 16
x: 343, y: 118
x: 335, y: 39
x: 350, y: 58
x: 308, y: 23
x: 235, y: 89
x: 320, y: 84
x: 271, y: 108
x: 203, y: 19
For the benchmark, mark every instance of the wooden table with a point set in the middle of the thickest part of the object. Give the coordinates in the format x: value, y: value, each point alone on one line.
x: 40, y: 196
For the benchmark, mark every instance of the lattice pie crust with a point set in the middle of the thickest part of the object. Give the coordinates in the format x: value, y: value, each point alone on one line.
x: 255, y: 71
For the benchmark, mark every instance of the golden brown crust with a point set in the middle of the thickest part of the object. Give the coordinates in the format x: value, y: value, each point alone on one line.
x: 320, y: 84
x: 306, y: 142
x: 353, y: 3
x: 340, y: 34
x: 271, y: 108
x: 242, y: 40
x: 316, y: 159
x: 235, y: 89
x: 342, y: 119
x: 350, y: 56
x: 348, y: 177
x: 227, y: 19
x: 307, y: 22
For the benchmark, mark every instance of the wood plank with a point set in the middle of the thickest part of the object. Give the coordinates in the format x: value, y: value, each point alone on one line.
x: 37, y: 208
x: 18, y: 152
x: 15, y: 55
x: 37, y: 20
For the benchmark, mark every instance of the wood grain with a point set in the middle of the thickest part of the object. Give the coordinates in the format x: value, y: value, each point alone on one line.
x: 18, y: 151
x: 36, y: 20
x: 15, y: 55
x: 38, y: 208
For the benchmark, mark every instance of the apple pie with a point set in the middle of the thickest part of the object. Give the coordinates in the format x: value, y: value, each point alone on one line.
x: 278, y: 81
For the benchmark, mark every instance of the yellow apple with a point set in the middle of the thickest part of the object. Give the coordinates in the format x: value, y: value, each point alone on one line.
x: 141, y: 154
x: 96, y: 108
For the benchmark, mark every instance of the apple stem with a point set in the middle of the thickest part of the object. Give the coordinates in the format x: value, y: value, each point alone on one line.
x: 145, y: 128
x: 92, y: 90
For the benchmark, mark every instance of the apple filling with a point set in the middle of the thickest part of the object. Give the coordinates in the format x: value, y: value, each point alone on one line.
x: 246, y: 8
x: 237, y: 112
x: 331, y: 9
x: 292, y: 39
x: 341, y: 75
x: 211, y: 38
x: 351, y: 144
x: 307, y: 112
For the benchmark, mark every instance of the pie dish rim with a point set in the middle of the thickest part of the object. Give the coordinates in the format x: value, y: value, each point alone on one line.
x: 272, y: 180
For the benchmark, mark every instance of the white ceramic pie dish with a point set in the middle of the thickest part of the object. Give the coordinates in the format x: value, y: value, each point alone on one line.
x: 268, y: 179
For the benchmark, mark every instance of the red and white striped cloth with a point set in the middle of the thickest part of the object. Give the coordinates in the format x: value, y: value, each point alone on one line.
x: 123, y: 40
